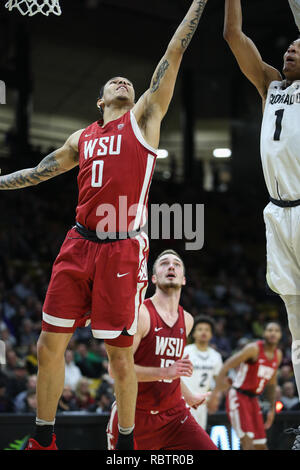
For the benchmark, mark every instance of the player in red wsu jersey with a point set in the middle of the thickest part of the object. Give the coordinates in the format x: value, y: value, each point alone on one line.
x: 100, y: 274
x: 163, y: 420
x: 258, y: 363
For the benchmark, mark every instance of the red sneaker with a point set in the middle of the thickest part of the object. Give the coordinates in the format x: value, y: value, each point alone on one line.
x: 34, y: 445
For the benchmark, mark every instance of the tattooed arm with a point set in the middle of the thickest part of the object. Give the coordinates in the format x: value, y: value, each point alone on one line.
x: 153, y: 105
x: 54, y: 164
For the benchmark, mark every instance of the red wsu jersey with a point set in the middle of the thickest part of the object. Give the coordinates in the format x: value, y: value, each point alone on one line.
x: 160, y: 348
x: 254, y: 376
x: 115, y: 172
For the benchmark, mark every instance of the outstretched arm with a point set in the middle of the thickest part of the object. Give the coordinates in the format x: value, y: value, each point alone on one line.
x: 249, y: 59
x: 295, y: 7
x: 155, y: 101
x: 54, y: 164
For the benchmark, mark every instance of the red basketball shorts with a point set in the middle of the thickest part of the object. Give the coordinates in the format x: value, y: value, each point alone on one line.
x: 245, y: 416
x: 99, y: 283
x: 174, y: 429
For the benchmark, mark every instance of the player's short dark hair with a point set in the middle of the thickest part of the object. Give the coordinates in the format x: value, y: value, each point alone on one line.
x: 167, y: 252
x: 204, y: 319
x: 269, y: 323
x: 101, y: 93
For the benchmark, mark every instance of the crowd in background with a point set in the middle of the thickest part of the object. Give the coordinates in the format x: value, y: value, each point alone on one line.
x: 225, y: 280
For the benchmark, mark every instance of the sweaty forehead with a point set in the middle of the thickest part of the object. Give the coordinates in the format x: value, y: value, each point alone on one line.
x: 118, y: 78
x: 169, y: 257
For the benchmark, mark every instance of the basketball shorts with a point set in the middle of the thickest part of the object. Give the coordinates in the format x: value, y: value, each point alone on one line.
x: 174, y: 429
x: 99, y: 283
x: 245, y: 416
x: 283, y: 248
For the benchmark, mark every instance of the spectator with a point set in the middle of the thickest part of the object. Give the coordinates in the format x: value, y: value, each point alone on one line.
x: 102, y: 403
x: 30, y: 402
x: 28, y: 334
x: 11, y: 363
x: 6, y: 336
x: 285, y: 374
x: 20, y: 402
x: 278, y: 393
x: 17, y: 382
x: 6, y: 405
x: 31, y: 359
x: 289, y: 398
x: 72, y: 372
x: 67, y: 400
x: 106, y: 386
x: 220, y: 340
x: 83, y: 397
x: 23, y: 289
x: 86, y: 363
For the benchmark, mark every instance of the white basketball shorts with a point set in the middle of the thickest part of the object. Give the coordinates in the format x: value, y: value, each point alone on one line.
x: 283, y: 248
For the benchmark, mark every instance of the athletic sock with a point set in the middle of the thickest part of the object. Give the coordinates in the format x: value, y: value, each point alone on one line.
x: 125, y: 441
x: 43, y: 432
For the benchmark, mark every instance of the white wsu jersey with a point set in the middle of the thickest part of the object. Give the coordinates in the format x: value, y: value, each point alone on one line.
x: 280, y: 141
x: 207, y: 364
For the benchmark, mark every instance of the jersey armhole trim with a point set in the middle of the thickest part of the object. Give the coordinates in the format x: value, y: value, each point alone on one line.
x: 150, y: 317
x: 81, y: 139
x: 138, y: 134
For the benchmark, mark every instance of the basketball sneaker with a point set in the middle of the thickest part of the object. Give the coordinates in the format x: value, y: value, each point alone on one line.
x: 296, y: 432
x: 34, y: 445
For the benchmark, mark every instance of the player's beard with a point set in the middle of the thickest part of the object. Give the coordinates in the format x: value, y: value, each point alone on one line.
x: 170, y: 285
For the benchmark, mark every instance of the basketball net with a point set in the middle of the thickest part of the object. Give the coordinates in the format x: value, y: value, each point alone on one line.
x: 32, y: 7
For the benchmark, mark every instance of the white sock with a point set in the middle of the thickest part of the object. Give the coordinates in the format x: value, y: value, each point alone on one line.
x: 42, y: 422
x: 125, y: 431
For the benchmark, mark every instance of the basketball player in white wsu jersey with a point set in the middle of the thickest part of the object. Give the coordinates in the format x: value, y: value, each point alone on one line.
x: 280, y: 154
x: 100, y: 182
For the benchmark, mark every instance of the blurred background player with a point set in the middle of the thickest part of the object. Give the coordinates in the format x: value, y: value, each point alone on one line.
x: 162, y: 419
x: 280, y: 143
x: 100, y: 274
x: 258, y: 363
x: 207, y: 363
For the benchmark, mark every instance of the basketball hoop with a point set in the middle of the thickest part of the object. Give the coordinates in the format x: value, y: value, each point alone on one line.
x: 32, y: 7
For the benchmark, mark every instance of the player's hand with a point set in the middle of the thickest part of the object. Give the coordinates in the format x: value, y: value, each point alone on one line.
x: 181, y: 368
x: 270, y: 419
x: 224, y: 384
x: 213, y: 402
x: 197, y: 399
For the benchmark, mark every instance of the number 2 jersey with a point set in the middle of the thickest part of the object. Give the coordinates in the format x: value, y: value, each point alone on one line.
x: 280, y: 141
x: 253, y: 376
x: 161, y: 347
x: 115, y: 171
x: 207, y: 365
